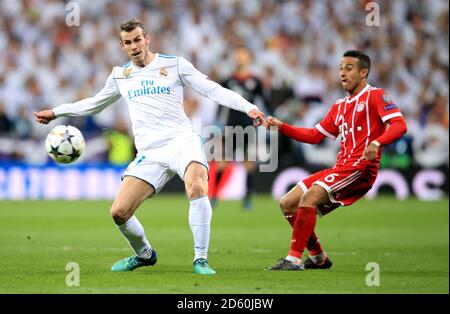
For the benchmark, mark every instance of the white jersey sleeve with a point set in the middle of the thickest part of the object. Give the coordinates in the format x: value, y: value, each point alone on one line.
x: 92, y: 105
x: 199, y: 82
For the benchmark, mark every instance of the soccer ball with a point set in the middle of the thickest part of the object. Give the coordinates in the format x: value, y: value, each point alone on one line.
x: 64, y: 144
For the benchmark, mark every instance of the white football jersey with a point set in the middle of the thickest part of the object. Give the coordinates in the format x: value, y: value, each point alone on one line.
x: 154, y: 95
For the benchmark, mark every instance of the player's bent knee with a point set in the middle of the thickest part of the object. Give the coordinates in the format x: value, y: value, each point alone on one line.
x: 197, y: 189
x: 284, y: 205
x: 287, y: 206
x: 120, y: 215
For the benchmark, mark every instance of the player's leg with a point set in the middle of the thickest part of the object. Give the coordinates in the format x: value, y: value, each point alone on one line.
x: 344, y: 187
x: 304, y: 224
x: 200, y: 214
x: 133, y: 191
x: 303, y: 235
x: 317, y: 256
x: 289, y: 204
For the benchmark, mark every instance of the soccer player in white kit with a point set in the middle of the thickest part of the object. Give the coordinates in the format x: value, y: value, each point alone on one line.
x: 152, y: 85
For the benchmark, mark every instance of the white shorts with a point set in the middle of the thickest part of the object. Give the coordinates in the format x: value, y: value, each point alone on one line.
x: 159, y: 166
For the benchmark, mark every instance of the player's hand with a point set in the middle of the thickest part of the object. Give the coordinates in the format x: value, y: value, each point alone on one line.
x: 44, y: 116
x: 272, y: 121
x: 371, y: 152
x: 258, y: 117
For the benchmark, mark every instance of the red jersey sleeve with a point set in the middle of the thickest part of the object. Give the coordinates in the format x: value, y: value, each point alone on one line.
x: 396, y: 129
x: 386, y: 108
x: 304, y: 135
x: 328, y: 125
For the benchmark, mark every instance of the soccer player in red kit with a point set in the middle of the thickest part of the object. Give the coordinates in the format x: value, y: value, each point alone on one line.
x: 366, y: 120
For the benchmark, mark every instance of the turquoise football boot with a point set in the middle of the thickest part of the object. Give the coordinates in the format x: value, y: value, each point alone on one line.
x: 133, y: 262
x: 201, y: 267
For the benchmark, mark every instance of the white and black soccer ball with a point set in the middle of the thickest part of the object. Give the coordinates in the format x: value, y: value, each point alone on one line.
x: 64, y: 144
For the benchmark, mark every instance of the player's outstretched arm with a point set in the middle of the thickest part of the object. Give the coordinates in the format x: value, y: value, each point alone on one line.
x: 44, y: 116
x: 200, y: 83
x: 304, y: 135
x: 85, y: 107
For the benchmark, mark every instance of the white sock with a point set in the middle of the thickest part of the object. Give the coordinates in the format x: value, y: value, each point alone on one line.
x: 135, y: 235
x: 319, y: 258
x: 200, y: 214
x: 294, y: 259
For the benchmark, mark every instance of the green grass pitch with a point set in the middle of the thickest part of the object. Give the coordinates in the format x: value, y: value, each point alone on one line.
x: 408, y: 240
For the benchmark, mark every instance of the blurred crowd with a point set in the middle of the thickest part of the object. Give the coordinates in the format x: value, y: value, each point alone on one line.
x: 296, y: 46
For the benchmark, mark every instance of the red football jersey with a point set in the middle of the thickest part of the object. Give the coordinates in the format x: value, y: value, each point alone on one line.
x: 358, y: 120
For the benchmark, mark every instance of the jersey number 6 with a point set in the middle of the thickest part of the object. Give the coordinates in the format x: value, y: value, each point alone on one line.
x: 330, y: 177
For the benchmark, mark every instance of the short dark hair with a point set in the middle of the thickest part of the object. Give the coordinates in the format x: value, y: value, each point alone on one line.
x: 364, y: 60
x: 130, y: 25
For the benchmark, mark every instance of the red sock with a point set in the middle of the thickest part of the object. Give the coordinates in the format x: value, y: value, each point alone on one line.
x: 313, y: 245
x: 303, y: 227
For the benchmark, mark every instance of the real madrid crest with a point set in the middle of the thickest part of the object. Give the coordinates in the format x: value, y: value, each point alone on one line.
x: 163, y: 72
x: 127, y: 72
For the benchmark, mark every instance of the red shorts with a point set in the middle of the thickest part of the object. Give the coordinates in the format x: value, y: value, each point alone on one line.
x: 344, y: 185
